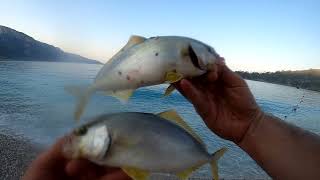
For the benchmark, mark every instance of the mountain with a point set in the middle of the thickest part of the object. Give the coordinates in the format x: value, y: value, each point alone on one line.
x: 18, y: 46
x: 306, y: 79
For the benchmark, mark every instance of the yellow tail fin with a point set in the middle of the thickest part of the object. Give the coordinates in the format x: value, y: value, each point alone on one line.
x: 214, y: 162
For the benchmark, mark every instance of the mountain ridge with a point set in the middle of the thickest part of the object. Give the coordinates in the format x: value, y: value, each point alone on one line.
x: 18, y: 46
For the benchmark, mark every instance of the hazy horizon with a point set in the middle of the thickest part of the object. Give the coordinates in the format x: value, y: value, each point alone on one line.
x: 252, y: 36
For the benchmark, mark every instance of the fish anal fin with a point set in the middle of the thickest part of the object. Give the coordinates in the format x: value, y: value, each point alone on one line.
x: 172, y: 77
x: 183, y: 175
x: 173, y: 116
x: 136, y: 174
x: 169, y: 90
x: 214, y: 162
x: 122, y: 95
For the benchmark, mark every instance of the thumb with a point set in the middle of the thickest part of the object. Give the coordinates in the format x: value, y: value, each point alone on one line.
x: 230, y: 78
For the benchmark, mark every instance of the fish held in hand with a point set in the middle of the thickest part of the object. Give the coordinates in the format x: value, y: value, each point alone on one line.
x: 142, y: 143
x: 146, y: 62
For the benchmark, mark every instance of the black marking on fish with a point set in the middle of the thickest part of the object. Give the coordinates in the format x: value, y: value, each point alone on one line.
x: 157, y: 54
x: 119, y: 72
x: 109, y: 145
x: 193, y: 57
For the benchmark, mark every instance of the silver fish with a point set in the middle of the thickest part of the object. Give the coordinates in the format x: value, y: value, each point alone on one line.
x: 142, y: 143
x: 146, y: 62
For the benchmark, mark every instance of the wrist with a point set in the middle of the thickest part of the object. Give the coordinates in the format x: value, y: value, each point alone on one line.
x: 253, y: 128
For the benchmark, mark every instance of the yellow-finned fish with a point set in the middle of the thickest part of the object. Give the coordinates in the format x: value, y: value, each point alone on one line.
x: 142, y: 143
x: 145, y: 62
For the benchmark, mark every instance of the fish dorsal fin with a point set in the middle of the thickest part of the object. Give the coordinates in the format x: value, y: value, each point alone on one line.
x: 135, y: 173
x: 122, y: 95
x: 133, y: 40
x: 173, y: 116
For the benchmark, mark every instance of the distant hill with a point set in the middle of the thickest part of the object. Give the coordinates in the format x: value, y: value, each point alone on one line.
x: 306, y: 79
x: 18, y: 46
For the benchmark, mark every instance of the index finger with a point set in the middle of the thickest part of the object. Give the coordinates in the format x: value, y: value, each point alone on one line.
x: 227, y: 77
x: 54, y: 156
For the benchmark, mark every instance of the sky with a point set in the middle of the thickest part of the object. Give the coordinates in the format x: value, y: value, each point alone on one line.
x: 252, y: 35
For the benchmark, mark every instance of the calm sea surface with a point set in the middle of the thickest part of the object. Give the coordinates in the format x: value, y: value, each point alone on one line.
x: 33, y: 104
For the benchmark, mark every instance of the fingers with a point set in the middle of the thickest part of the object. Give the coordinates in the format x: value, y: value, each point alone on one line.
x: 84, y: 168
x: 53, y: 157
x: 116, y: 175
x: 80, y: 166
x: 192, y: 93
x: 212, y: 75
x: 230, y: 78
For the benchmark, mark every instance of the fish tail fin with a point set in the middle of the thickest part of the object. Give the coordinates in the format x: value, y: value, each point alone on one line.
x: 214, y: 162
x: 82, y: 93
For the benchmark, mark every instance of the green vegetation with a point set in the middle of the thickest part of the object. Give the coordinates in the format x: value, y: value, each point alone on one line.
x: 306, y: 79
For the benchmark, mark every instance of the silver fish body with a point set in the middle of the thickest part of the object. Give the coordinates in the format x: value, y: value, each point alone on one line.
x: 145, y: 62
x: 142, y: 141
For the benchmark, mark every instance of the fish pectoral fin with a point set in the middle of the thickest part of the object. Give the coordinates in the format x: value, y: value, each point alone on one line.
x: 186, y: 173
x: 214, y: 162
x: 173, y: 116
x: 136, y: 174
x: 169, y: 90
x: 172, y: 77
x: 122, y: 95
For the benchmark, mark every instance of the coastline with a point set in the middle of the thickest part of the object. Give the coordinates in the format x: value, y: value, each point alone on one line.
x: 38, y: 60
x: 300, y: 79
x: 16, y: 153
x: 282, y: 84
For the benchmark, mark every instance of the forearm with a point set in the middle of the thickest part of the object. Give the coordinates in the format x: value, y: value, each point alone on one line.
x: 283, y: 150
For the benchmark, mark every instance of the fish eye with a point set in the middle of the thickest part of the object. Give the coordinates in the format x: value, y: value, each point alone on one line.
x: 81, y: 131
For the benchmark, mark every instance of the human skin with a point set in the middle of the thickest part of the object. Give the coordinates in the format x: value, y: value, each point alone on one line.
x: 223, y: 100
x: 52, y: 165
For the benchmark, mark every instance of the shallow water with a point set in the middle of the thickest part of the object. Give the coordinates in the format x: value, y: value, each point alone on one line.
x: 33, y: 104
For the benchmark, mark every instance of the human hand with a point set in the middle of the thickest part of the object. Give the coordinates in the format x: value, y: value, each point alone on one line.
x: 52, y: 165
x: 223, y: 99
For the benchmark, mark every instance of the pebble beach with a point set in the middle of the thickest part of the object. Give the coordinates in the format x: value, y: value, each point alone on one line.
x: 15, y: 156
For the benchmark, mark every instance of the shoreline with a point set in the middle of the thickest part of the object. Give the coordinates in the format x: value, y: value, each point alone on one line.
x: 302, y: 88
x: 16, y: 153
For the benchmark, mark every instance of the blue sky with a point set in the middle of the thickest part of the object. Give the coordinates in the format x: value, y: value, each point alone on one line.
x: 261, y: 35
